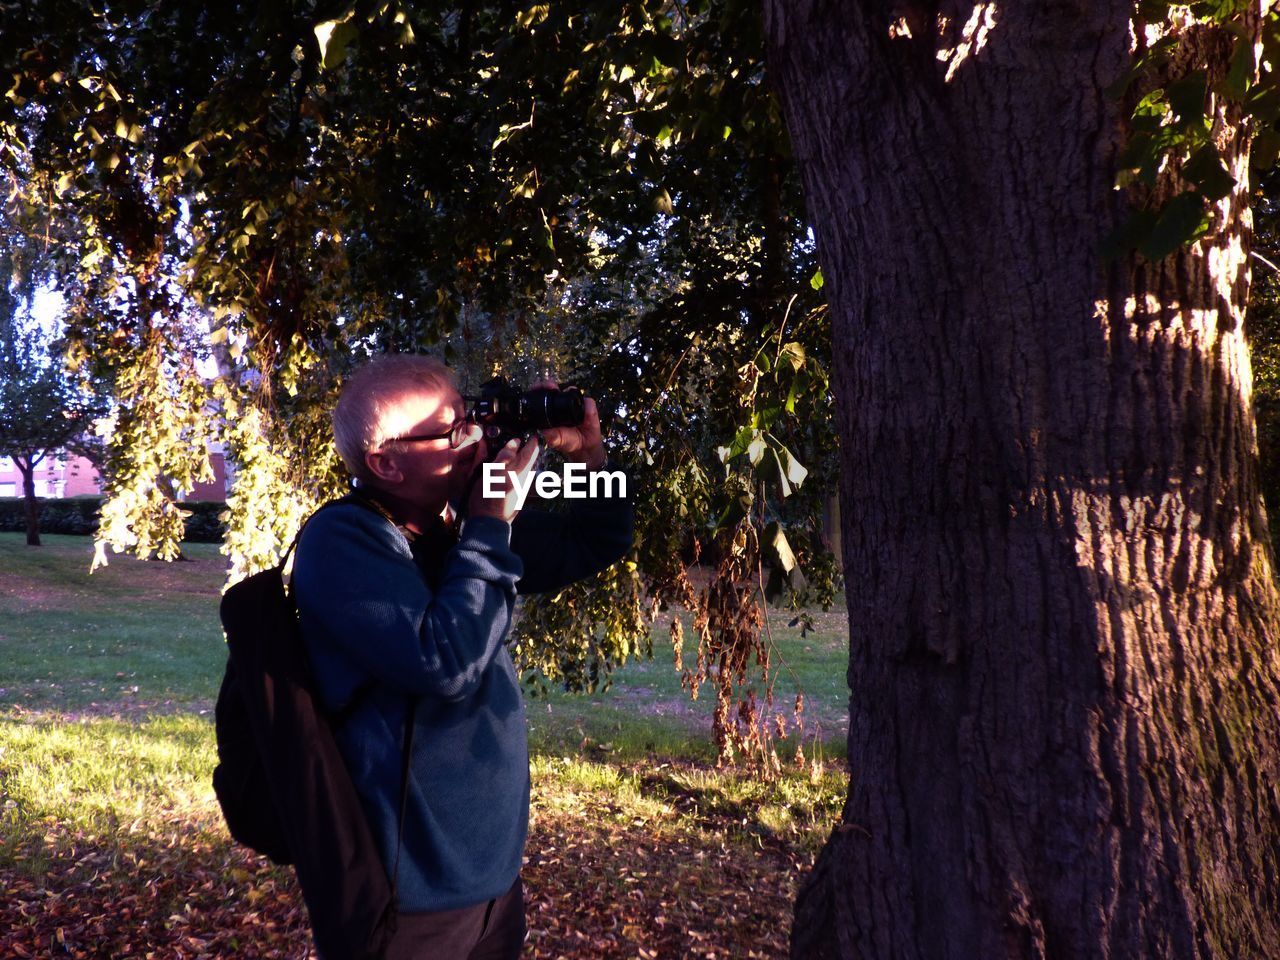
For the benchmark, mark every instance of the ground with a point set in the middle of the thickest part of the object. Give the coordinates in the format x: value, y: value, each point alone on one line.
x: 111, y: 844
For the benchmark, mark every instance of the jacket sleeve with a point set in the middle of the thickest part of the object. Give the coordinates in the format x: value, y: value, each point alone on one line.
x: 360, y: 593
x: 557, y: 549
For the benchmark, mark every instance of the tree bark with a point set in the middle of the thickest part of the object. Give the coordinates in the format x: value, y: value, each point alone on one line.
x: 1064, y: 731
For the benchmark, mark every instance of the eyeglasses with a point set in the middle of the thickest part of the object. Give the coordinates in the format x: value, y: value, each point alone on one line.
x: 456, y: 434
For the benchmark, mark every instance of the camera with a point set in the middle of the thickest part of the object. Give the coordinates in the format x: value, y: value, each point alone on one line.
x: 505, y: 411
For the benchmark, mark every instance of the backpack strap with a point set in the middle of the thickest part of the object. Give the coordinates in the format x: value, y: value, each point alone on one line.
x: 406, y: 755
x: 352, y: 497
x: 340, y: 716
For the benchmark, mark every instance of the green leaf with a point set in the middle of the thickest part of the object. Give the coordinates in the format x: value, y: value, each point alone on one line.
x: 1124, y: 239
x: 738, y: 508
x: 798, y: 384
x: 1156, y: 53
x: 651, y: 123
x: 741, y: 440
x: 792, y: 469
x: 1187, y: 97
x: 1240, y: 70
x: 1263, y: 104
x: 1206, y: 171
x: 405, y: 35
x: 1217, y: 10
x: 1145, y: 153
x: 1266, y: 148
x: 1154, y: 104
x: 816, y: 280
x: 1181, y: 220
x: 765, y: 417
x: 534, y: 15
x: 792, y: 353
x: 333, y: 37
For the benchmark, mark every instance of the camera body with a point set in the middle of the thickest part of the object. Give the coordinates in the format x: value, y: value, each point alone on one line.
x: 505, y: 411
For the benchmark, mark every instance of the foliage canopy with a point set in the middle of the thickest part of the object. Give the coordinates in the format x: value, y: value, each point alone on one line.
x: 602, y: 189
x: 275, y: 190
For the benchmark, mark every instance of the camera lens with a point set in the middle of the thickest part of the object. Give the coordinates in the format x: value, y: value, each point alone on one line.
x: 542, y: 408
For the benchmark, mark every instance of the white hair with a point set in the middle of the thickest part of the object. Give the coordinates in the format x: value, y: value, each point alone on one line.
x: 372, y: 405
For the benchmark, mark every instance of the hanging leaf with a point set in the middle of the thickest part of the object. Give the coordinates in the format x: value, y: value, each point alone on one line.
x: 1240, y: 70
x: 1205, y: 170
x: 777, y: 542
x: 794, y: 471
x: 1181, y: 220
x: 1125, y: 238
x: 1187, y: 97
x: 333, y: 37
x: 792, y: 353
x: 741, y: 440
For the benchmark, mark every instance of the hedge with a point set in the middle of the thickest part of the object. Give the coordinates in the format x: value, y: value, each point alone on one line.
x: 79, y: 516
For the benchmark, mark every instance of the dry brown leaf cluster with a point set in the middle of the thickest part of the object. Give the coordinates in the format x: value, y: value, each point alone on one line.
x: 600, y: 883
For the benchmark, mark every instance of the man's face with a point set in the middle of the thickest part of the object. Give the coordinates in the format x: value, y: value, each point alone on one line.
x: 432, y: 472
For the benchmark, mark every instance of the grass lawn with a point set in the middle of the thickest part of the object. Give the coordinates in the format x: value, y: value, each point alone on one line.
x: 134, y: 635
x: 111, y: 844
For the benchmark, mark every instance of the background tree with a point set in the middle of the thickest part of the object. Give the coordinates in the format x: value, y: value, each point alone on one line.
x: 1063, y: 733
x: 43, y: 411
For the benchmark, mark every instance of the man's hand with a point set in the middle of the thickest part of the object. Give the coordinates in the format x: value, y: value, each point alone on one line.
x: 513, y: 458
x: 581, y: 444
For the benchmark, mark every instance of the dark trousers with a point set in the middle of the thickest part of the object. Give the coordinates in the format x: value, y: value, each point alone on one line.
x: 493, y: 930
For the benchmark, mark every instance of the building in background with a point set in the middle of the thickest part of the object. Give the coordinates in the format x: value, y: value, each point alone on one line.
x: 74, y: 476
x: 56, y: 476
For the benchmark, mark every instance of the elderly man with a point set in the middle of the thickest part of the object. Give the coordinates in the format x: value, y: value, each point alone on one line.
x: 405, y: 601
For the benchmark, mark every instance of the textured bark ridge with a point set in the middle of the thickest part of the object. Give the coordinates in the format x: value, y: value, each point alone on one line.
x: 1064, y: 724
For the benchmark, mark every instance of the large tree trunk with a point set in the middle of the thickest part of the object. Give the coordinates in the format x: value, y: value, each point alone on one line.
x: 1063, y: 665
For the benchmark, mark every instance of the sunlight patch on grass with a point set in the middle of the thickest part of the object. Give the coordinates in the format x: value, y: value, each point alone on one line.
x: 104, y: 775
x: 797, y: 807
x: 567, y: 786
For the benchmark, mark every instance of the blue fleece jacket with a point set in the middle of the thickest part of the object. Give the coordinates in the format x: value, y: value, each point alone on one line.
x: 379, y: 612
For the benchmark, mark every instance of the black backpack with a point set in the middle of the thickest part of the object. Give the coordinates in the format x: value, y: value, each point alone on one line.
x: 281, y: 781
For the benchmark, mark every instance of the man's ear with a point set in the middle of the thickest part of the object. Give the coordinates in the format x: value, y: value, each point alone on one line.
x: 382, y: 464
